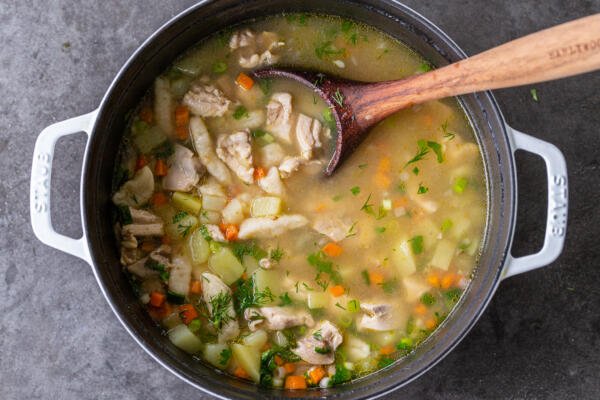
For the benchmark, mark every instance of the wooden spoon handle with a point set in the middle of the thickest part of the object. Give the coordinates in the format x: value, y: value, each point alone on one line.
x: 564, y: 50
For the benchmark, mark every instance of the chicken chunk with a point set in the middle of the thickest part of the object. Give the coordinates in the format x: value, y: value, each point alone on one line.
x: 240, y: 39
x: 206, y: 101
x: 307, y: 135
x: 141, y: 267
x: 270, y: 155
x: 263, y: 227
x: 143, y: 217
x: 289, y: 165
x: 277, y: 318
x: 279, y: 115
x: 271, y: 183
x: 155, y: 229
x: 217, y: 296
x: 215, y: 233
x: 235, y: 151
x: 137, y: 191
x: 378, y: 317
x: 204, y: 147
x: 319, y: 346
x: 183, y: 173
x: 211, y: 188
x: 180, y: 275
x: 333, y: 227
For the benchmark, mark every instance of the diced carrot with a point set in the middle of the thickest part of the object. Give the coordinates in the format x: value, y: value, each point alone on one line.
x: 241, y: 373
x: 433, y: 279
x: 320, y: 207
x: 387, y: 350
x: 230, y: 231
x: 259, y: 173
x: 245, y: 276
x: 165, y: 239
x: 278, y: 360
x: 244, y: 81
x: 160, y: 168
x: 401, y: 202
x: 157, y: 299
x: 188, y: 313
x: 195, y: 287
x: 430, y: 323
x: 182, y: 132
x: 148, y: 246
x: 382, y: 180
x: 316, y: 374
x: 332, y: 249
x: 182, y: 116
x: 141, y: 162
x: 159, y: 199
x: 337, y: 290
x: 375, y: 278
x: 385, y: 165
x: 158, y: 313
x: 420, y: 309
x: 448, y: 280
x: 289, y: 368
x: 295, y: 382
x: 147, y: 115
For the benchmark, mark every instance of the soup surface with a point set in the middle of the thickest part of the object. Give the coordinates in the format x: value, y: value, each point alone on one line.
x: 248, y: 256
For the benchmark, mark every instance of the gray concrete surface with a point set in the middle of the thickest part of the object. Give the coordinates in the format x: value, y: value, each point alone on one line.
x: 539, y: 338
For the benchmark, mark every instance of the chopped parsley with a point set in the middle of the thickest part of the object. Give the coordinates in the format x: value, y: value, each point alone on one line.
x: 422, y: 189
x: 415, y: 170
x: 317, y: 335
x: 380, y: 229
x: 240, y: 249
x: 247, y: 296
x: 389, y: 286
x: 447, y: 134
x: 355, y: 190
x: 220, y: 314
x: 224, y: 357
x: 384, y: 362
x: 363, y: 166
x: 367, y: 207
x: 365, y: 275
x: 276, y: 254
x: 338, y: 305
x: 422, y: 151
x: 338, y: 97
x: 416, y: 244
x: 446, y: 225
x: 352, y: 230
x: 240, y: 112
x: 353, y: 305
x: 182, y: 228
x: 265, y: 85
x: 401, y: 187
x: 327, y: 49
x: 322, y: 350
x: 424, y: 67
x: 453, y: 295
x: 437, y: 149
x: 285, y: 299
x: 320, y: 262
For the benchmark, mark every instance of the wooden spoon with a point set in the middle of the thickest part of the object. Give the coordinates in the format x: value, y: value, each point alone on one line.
x: 564, y: 50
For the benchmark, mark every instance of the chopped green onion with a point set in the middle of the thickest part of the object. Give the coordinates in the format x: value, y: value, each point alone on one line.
x: 416, y: 244
x: 460, y: 184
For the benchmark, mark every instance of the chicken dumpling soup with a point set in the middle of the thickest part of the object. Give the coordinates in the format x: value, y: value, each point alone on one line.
x: 247, y: 256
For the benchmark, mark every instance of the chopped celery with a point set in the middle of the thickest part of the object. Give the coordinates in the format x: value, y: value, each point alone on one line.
x: 267, y: 206
x: 187, y: 202
x: 460, y: 184
x: 147, y: 138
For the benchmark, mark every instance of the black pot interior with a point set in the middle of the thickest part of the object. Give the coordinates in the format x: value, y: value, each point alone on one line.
x: 157, y: 54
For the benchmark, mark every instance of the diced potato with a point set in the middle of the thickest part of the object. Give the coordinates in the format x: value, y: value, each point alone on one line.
x: 212, y: 354
x: 210, y: 217
x: 267, y: 206
x: 460, y: 225
x: 256, y: 339
x: 270, y: 155
x: 187, y: 202
x: 386, y: 338
x: 182, y: 337
x: 233, y: 213
x: 250, y: 264
x: 444, y: 252
x: 356, y: 349
x: 213, y: 203
x: 148, y: 139
x: 248, y: 357
x: 414, y: 287
x: 226, y: 265
x: 270, y: 279
x: 403, y: 258
x: 198, y: 247
x: 180, y: 276
x: 317, y: 300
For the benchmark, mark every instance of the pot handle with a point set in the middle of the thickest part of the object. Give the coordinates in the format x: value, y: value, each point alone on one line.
x: 41, y: 172
x: 556, y: 220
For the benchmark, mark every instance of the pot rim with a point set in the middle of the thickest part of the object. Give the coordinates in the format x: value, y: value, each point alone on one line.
x: 488, y: 96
